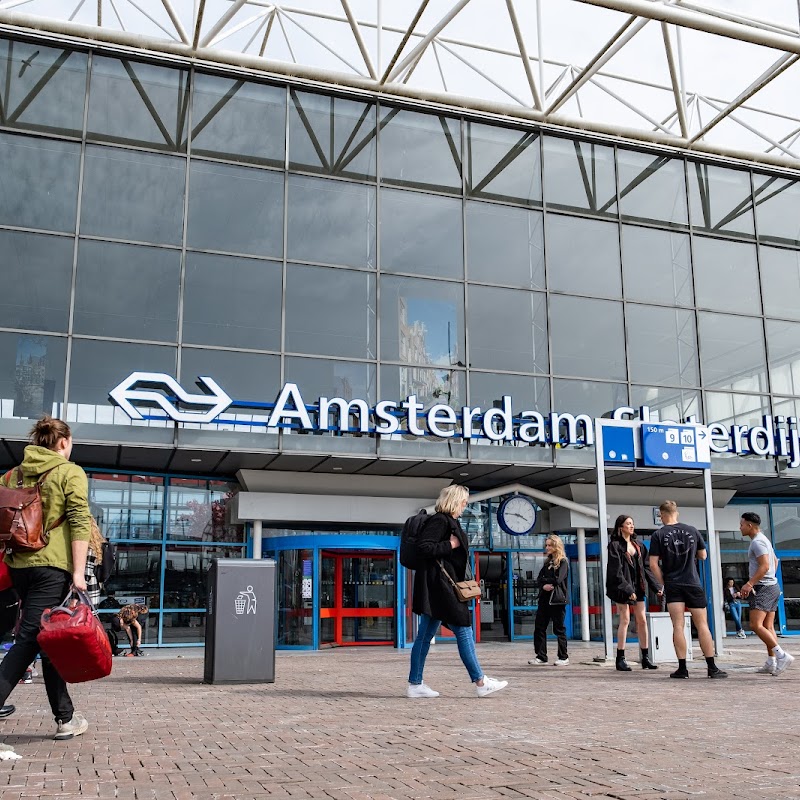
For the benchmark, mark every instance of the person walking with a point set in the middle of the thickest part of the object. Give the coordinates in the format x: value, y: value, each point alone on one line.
x: 552, y: 583
x: 42, y: 578
x: 678, y: 546
x: 444, y: 545
x: 762, y: 592
x: 732, y: 599
x: 627, y: 578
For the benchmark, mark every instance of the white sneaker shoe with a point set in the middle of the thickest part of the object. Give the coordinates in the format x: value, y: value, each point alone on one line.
x: 420, y: 690
x: 75, y: 727
x: 768, y: 668
x: 742, y: 635
x: 561, y: 662
x: 783, y: 662
x: 490, y: 685
x: 537, y: 662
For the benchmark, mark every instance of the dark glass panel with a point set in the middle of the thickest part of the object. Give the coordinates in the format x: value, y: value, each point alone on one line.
x: 133, y: 195
x: 31, y: 375
x: 783, y: 346
x: 505, y: 245
x: 37, y: 276
x: 583, y: 256
x: 43, y: 87
x: 39, y: 182
x: 780, y: 282
x: 732, y: 352
x: 331, y: 222
x: 579, y: 175
x: 520, y: 343
x: 421, y: 234
x: 242, y: 120
x: 657, y: 266
x: 136, y: 579
x: 503, y: 164
x: 127, y: 506
x: 662, y: 345
x: 720, y: 199
x: 421, y: 150
x: 331, y: 135
x: 237, y: 209
x: 330, y: 312
x: 186, y: 574
x: 127, y: 291
x: 422, y: 321
x: 196, y: 512
x: 135, y: 103
x: 652, y: 187
x: 587, y: 337
x: 725, y: 275
x: 215, y: 314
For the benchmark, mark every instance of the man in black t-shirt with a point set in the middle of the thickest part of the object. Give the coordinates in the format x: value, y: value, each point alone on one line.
x: 678, y: 547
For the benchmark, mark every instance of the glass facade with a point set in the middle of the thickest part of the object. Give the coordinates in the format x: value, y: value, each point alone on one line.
x: 174, y: 220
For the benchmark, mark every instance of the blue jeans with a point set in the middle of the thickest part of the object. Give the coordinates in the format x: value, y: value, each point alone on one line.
x: 736, y: 614
x: 426, y: 630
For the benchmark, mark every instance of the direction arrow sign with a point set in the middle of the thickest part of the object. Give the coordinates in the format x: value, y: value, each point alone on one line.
x: 681, y: 446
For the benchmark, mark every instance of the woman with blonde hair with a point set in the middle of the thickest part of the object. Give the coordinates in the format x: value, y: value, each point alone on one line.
x: 445, y: 548
x: 552, y: 583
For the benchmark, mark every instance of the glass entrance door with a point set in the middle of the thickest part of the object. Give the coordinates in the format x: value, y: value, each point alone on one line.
x: 357, y: 598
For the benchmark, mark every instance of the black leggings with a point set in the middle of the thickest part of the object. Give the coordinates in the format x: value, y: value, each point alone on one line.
x: 546, y: 614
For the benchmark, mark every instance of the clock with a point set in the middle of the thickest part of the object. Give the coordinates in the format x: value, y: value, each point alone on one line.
x: 517, y: 515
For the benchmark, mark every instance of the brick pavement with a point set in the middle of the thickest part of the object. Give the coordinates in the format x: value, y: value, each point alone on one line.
x: 336, y: 725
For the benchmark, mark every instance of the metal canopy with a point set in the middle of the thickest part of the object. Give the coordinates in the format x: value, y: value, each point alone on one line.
x: 706, y: 75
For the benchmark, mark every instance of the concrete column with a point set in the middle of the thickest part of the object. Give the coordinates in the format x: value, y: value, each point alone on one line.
x: 256, y: 538
x: 583, y: 584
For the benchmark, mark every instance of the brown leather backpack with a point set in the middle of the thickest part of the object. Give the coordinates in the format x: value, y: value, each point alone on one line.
x: 21, y: 516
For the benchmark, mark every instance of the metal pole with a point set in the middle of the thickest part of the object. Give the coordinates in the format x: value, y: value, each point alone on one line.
x: 602, y: 529
x: 583, y: 584
x: 715, y: 566
x: 256, y: 538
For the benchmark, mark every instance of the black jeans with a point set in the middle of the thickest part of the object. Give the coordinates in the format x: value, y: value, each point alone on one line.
x: 38, y: 588
x: 546, y: 614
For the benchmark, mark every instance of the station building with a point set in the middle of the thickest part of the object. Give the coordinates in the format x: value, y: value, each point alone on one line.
x: 280, y: 313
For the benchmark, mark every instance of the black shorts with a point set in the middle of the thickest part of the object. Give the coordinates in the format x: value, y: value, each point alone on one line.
x: 691, y: 596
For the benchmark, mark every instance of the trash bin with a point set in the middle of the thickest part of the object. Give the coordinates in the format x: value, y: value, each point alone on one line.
x: 659, y: 626
x: 240, y: 621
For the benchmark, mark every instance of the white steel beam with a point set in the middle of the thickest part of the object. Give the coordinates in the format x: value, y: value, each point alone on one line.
x: 677, y: 86
x: 229, y: 14
x: 175, y: 21
x: 359, y: 39
x: 320, y: 42
x: 523, y: 52
x: 406, y: 36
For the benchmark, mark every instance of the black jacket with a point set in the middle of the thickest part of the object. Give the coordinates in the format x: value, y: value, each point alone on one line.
x: 622, y: 579
x: 433, y: 593
x: 558, y: 578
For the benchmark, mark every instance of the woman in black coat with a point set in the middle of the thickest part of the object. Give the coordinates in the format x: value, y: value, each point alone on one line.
x: 627, y: 579
x: 444, y: 546
x: 552, y: 583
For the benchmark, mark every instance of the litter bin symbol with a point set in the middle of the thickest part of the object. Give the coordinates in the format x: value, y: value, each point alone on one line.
x: 246, y: 601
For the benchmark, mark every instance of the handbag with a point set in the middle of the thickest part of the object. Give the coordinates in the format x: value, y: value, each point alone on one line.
x: 465, y: 590
x: 75, y: 641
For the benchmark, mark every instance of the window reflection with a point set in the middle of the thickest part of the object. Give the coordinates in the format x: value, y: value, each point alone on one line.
x: 667, y: 405
x: 579, y: 175
x: 656, y: 266
x: 295, y: 624
x: 780, y: 281
x: 503, y: 164
x: 732, y: 352
x: 726, y: 275
x: 720, y: 199
x: 127, y: 506
x: 185, y: 578
x: 422, y: 322
x: 652, y: 187
x: 777, y: 209
x: 197, y: 511
x: 44, y: 87
x: 136, y: 577
x: 783, y: 345
x: 331, y: 135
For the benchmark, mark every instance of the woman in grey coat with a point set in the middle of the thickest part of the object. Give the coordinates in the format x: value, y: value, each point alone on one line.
x: 444, y: 546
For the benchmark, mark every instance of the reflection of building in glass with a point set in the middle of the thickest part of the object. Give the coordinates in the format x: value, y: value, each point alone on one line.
x: 413, y: 349
x: 33, y: 393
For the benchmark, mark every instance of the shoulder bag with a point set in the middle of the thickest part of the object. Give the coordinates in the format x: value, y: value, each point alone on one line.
x: 465, y: 590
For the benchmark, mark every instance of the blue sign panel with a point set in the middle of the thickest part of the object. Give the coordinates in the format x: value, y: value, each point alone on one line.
x: 618, y: 445
x: 682, y: 446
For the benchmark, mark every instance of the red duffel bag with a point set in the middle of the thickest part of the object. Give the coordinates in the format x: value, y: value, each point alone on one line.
x: 75, y: 641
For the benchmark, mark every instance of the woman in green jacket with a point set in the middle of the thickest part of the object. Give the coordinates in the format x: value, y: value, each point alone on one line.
x: 43, y: 577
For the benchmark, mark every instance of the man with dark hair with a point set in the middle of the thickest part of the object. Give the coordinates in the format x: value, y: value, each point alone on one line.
x: 763, y: 592
x: 678, y: 547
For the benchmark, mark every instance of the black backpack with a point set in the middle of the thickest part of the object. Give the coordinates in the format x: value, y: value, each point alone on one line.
x: 409, y: 555
x: 105, y: 568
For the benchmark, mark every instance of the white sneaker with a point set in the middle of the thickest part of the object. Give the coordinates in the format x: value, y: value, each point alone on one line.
x: 420, y: 690
x: 75, y: 727
x: 537, y: 661
x: 742, y: 635
x: 490, y: 685
x: 783, y: 662
x: 768, y: 668
x: 561, y: 662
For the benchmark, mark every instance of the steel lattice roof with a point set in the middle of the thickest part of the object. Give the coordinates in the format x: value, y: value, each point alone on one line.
x: 717, y: 76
